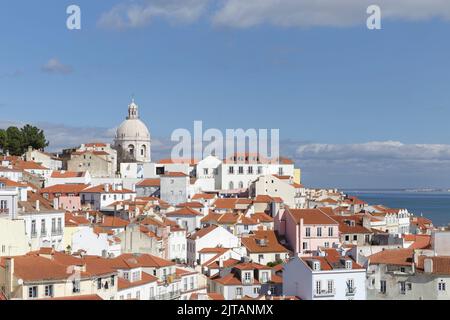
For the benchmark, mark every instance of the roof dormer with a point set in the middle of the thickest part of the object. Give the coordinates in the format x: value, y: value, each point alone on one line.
x: 315, y: 265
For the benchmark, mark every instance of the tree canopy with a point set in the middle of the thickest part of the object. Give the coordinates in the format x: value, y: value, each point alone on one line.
x: 17, y: 141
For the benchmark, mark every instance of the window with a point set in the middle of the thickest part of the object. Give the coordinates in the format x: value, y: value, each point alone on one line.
x: 231, y: 170
x: 250, y: 170
x: 113, y: 279
x: 305, y: 245
x: 152, y: 292
x: 264, y: 277
x: 99, y: 284
x: 138, y: 295
x: 326, y: 244
x: 238, y: 291
x: 33, y: 227
x: 319, y: 231
x: 3, y: 206
x: 330, y: 286
x: 33, y: 292
x: 126, y: 276
x: 308, y: 232
x: 49, y: 290
x: 256, y: 290
x: 347, y: 237
x: 383, y: 286
x: 280, y: 171
x: 318, y: 287
x: 59, y: 224
x: 205, y: 171
x: 402, y: 269
x: 348, y: 264
x: 43, y: 231
x: 355, y: 237
x: 260, y: 170
x: 53, y: 225
x: 135, y: 276
x: 247, y: 277
x: 241, y: 170
x: 402, y: 287
x: 330, y: 231
x: 442, y: 286
x: 76, y: 286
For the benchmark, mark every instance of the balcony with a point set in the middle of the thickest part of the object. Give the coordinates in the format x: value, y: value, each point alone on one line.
x: 350, y: 292
x: 57, y: 232
x: 325, y: 294
x: 175, y: 295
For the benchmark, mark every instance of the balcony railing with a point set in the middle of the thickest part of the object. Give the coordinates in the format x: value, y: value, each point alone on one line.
x: 325, y: 293
x: 57, y: 232
x: 167, y: 296
x: 350, y: 292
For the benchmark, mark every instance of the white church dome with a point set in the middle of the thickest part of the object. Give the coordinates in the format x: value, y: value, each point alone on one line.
x: 133, y: 128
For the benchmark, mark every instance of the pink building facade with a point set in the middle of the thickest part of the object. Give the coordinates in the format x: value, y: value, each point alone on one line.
x: 307, y: 229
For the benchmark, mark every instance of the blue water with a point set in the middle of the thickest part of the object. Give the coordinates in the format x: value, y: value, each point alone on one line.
x: 433, y: 205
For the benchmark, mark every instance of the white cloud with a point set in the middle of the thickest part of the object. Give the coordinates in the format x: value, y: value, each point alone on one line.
x: 387, y: 150
x: 55, y: 66
x: 310, y: 13
x: 285, y: 13
x: 377, y: 164
x: 143, y: 12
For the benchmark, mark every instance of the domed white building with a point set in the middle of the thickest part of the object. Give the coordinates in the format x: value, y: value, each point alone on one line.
x: 132, y: 140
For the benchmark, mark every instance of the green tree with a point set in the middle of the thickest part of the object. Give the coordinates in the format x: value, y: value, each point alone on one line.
x: 34, y: 137
x: 14, y: 141
x: 2, y: 139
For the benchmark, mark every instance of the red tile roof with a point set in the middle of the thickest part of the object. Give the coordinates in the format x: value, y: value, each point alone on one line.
x: 101, y: 189
x: 183, y: 212
x: 67, y: 174
x: 311, y: 217
x: 149, y: 183
x: 400, y: 257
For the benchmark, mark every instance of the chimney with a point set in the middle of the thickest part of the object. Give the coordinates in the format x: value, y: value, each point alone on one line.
x: 38, y: 208
x: 106, y: 187
x: 133, y: 187
x: 55, y: 203
x: 30, y: 148
x: 9, y: 276
x: 220, y: 263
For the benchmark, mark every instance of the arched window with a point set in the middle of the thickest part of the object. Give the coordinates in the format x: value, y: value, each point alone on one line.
x: 241, y: 185
x: 231, y: 185
x: 131, y: 149
x: 143, y: 150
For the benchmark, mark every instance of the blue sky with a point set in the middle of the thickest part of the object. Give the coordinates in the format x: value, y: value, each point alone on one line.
x: 332, y: 87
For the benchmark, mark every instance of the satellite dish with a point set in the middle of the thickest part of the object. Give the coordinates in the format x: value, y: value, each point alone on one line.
x: 269, y: 293
x: 20, y: 282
